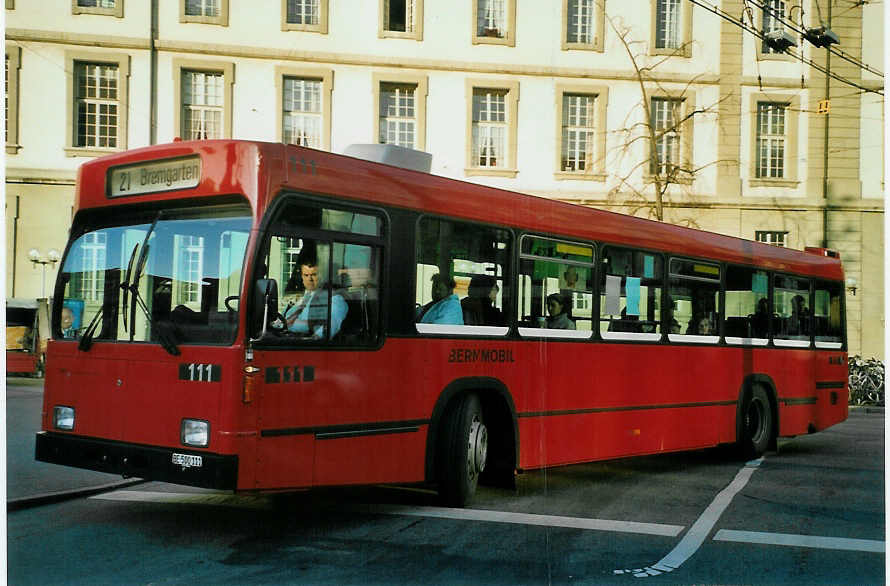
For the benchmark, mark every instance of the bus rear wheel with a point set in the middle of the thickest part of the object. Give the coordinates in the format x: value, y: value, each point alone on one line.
x: 463, y: 451
x: 756, y: 425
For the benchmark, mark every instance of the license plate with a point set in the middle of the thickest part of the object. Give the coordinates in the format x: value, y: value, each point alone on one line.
x: 187, y: 460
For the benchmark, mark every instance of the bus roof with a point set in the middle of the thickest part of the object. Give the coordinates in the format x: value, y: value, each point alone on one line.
x: 260, y: 171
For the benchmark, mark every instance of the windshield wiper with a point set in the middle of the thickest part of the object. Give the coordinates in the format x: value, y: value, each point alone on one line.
x: 167, y: 336
x: 86, y: 340
x: 126, y: 285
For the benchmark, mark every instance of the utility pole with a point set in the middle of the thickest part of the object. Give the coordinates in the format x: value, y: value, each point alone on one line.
x: 827, y: 115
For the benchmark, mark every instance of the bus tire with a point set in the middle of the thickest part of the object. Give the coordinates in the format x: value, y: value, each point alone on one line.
x: 756, y: 427
x: 463, y: 451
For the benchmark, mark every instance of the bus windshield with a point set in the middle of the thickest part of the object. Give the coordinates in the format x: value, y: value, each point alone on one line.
x: 171, y: 276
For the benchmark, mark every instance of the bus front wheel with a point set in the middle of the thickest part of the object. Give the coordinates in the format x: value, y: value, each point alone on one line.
x: 757, y: 423
x: 463, y: 453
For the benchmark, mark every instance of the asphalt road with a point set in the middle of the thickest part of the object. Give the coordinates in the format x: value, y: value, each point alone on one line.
x: 813, y: 513
x: 27, y: 478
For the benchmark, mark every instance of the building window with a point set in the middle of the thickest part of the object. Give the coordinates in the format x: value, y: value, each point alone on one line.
x: 582, y: 24
x: 493, y: 129
x: 666, y: 113
x: 398, y: 122
x: 490, y: 128
x: 775, y: 238
x: 103, y: 7
x: 209, y: 8
x: 203, y: 92
x: 770, y: 140
x: 667, y: 24
x: 96, y: 105
x: 302, y: 115
x: 773, y: 13
x: 495, y: 22
x: 11, y: 109
x: 581, y: 116
x: 302, y: 12
x: 304, y: 107
x: 204, y: 11
x: 578, y: 115
x: 203, y: 105
x: 97, y: 87
x: 773, y: 129
x: 400, y: 103
x: 304, y: 15
x: 401, y: 19
x: 671, y: 30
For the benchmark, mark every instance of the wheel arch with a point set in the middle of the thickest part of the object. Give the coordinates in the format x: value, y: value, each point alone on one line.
x: 768, y: 385
x: 497, y: 408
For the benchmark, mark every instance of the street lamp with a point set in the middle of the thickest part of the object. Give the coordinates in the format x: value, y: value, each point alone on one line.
x: 36, y: 258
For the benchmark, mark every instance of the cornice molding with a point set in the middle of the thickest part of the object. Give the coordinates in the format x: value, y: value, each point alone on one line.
x: 41, y: 176
x: 80, y: 39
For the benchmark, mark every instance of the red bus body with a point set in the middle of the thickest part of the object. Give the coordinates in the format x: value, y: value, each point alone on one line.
x: 563, y: 402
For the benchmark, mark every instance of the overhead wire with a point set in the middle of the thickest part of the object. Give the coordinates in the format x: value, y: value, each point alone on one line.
x: 803, y: 31
x: 729, y: 18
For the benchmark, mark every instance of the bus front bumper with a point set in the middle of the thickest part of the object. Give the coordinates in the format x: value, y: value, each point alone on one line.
x: 187, y: 467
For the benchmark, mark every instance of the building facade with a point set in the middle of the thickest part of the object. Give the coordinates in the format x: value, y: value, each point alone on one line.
x: 660, y: 108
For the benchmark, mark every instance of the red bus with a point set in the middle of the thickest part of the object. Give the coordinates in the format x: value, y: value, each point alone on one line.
x: 264, y: 317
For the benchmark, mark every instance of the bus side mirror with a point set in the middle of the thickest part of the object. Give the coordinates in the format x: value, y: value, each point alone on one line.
x: 265, y: 305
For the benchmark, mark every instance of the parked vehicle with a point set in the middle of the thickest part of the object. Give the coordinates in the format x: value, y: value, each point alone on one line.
x: 27, y: 330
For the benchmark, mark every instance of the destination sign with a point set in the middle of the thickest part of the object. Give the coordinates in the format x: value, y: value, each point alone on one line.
x: 155, y: 176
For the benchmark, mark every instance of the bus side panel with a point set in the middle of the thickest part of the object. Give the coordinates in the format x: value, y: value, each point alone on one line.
x: 285, y: 461
x: 792, y: 372
x: 342, y: 417
x: 832, y: 387
x: 390, y: 457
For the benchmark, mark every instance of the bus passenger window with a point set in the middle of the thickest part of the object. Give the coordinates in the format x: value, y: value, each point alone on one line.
x: 329, y: 290
x: 791, y: 307
x: 555, y: 280
x: 828, y: 323
x: 747, y: 307
x: 461, y: 278
x: 630, y: 294
x: 694, y: 298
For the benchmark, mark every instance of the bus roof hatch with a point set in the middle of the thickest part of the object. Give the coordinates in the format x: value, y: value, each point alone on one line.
x: 391, y: 154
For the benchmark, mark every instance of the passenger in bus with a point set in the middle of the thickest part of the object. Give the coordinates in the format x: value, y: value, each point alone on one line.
x: 702, y: 327
x: 445, y: 307
x: 558, y: 306
x: 760, y: 319
x: 68, y: 330
x: 478, y: 307
x: 798, y: 322
x: 309, y: 315
x: 626, y: 323
x: 571, y: 279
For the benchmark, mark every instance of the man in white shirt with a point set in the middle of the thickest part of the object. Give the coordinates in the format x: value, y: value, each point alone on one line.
x: 310, y: 314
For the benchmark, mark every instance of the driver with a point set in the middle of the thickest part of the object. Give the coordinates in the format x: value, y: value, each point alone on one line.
x: 309, y: 315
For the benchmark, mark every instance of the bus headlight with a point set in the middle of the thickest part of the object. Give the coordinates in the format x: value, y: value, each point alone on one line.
x: 195, y: 432
x: 63, y: 417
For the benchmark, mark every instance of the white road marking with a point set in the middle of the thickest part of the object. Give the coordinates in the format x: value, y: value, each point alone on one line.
x: 682, y: 552
x: 700, y: 529
x: 227, y: 499
x: 843, y: 543
x: 529, y: 519
x: 217, y: 499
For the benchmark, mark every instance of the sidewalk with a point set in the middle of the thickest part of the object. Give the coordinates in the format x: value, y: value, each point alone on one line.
x: 29, y: 482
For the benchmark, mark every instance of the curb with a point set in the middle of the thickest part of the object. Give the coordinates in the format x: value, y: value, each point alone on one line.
x: 47, y: 498
x: 867, y: 408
